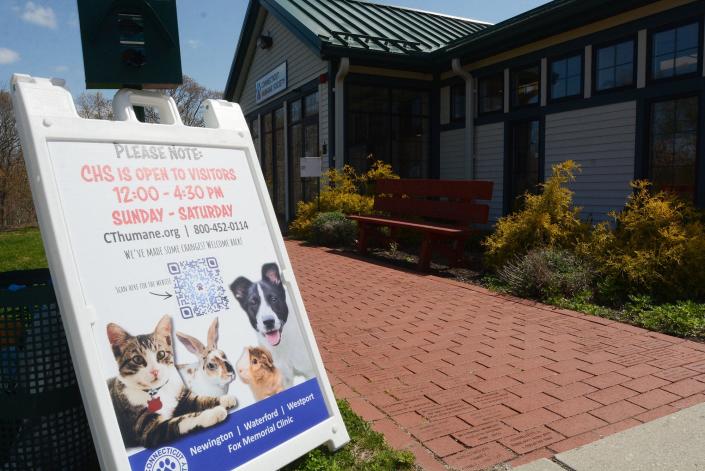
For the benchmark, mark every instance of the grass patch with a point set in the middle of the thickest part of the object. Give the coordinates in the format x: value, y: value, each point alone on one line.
x: 22, y: 250
x: 367, y: 451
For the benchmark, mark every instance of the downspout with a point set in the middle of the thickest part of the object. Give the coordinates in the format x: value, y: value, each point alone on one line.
x: 469, y: 118
x: 340, y: 111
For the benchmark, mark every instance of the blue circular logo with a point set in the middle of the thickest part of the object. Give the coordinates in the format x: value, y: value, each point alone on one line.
x: 166, y: 459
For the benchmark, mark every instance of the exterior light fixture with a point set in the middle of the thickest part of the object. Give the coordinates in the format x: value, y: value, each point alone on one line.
x: 264, y: 42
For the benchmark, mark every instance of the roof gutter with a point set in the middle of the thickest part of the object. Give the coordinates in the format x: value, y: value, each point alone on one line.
x: 469, y: 161
x: 343, y: 70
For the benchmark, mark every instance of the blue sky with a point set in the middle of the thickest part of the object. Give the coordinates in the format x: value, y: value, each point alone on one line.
x: 42, y: 37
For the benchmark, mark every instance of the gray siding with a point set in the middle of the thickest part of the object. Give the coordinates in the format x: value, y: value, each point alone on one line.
x: 602, y: 140
x: 302, y: 64
x: 489, y: 162
x: 452, y: 154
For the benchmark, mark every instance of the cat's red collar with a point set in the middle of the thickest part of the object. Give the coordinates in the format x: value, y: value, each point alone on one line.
x: 155, y: 403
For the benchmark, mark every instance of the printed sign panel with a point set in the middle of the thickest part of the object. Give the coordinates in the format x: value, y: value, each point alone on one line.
x: 273, y: 83
x: 201, y: 344
x: 311, y: 167
x: 197, y: 323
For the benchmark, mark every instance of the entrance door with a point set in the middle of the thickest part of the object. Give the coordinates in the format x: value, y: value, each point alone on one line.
x: 273, y: 160
x: 303, y: 142
x: 525, y: 162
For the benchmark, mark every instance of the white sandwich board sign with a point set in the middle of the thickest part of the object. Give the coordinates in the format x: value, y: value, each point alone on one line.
x: 187, y: 330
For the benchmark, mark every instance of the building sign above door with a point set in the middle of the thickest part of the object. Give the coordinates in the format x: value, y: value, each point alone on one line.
x: 271, y: 84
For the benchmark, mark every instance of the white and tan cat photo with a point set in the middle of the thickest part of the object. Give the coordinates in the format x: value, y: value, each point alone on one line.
x: 152, y: 404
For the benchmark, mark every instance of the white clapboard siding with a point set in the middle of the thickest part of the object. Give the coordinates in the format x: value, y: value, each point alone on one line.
x: 602, y: 140
x: 452, y: 154
x: 302, y: 64
x: 489, y: 155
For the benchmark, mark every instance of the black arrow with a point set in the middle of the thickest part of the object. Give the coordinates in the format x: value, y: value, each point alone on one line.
x: 167, y: 295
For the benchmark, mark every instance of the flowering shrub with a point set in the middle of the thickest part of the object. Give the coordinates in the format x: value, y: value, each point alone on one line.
x: 657, y: 247
x: 332, y: 229
x: 346, y: 192
x: 548, y: 219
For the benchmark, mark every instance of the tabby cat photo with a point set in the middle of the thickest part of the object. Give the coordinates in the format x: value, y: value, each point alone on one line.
x: 152, y: 404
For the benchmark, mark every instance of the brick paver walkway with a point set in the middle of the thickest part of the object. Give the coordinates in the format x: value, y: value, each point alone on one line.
x: 467, y: 379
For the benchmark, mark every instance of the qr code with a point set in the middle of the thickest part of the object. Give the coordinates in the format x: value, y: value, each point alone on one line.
x: 198, y: 286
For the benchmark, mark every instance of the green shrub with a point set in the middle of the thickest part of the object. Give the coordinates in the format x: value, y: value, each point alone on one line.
x: 684, y: 319
x: 346, y: 192
x: 583, y: 303
x: 548, y: 219
x: 547, y: 273
x: 332, y: 229
x: 657, y: 247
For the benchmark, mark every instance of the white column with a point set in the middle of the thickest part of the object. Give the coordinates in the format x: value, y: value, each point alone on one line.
x: 588, y: 71
x: 340, y: 112
x: 507, y: 90
x: 544, y: 81
x: 641, y: 59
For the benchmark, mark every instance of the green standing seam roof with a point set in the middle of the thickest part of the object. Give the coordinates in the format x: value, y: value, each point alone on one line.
x: 342, y: 27
x: 404, y: 36
x: 357, y: 24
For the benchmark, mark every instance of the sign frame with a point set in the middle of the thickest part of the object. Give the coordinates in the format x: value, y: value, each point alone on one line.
x: 285, y: 72
x: 45, y: 113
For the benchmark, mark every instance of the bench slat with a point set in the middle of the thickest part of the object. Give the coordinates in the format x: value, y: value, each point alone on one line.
x: 461, y: 212
x: 457, y: 189
x: 385, y: 221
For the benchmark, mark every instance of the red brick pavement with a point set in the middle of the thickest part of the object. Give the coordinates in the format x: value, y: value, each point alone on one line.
x: 466, y: 378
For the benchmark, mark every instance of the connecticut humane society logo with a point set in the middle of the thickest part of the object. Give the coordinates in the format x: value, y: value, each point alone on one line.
x: 166, y: 459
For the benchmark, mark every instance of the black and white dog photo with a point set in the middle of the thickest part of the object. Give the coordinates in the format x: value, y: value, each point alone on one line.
x: 264, y: 302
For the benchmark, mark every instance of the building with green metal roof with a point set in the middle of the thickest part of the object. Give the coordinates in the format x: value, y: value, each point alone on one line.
x: 604, y: 83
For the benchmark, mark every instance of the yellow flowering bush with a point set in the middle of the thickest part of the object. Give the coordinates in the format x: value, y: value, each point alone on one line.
x: 346, y: 192
x: 548, y: 219
x: 655, y: 246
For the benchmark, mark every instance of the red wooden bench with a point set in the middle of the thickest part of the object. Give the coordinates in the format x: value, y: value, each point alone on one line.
x: 442, y: 210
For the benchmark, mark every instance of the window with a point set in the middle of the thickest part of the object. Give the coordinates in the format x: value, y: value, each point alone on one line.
x: 254, y: 131
x: 272, y: 159
x: 491, y: 91
x: 526, y: 86
x: 525, y: 162
x: 672, y: 146
x: 674, y: 52
x: 567, y: 77
x: 457, y: 102
x: 388, y: 124
x: 615, y: 66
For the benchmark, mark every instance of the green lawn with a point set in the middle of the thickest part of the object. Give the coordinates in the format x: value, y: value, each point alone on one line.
x: 21, y: 250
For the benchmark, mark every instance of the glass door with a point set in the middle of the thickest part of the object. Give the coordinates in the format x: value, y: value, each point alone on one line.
x: 525, y: 162
x: 273, y: 160
x: 303, y: 142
